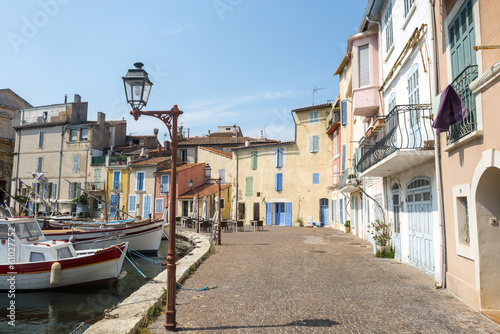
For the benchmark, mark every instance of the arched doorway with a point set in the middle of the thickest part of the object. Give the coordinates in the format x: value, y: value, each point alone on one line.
x: 488, y: 231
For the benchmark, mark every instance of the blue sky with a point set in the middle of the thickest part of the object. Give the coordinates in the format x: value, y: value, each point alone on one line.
x: 224, y: 62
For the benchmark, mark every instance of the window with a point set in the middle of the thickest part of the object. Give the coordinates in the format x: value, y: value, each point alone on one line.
x: 392, y: 102
x: 73, y: 135
x: 117, y: 176
x: 408, y: 4
x: 222, y: 203
x: 184, y: 155
x: 279, y: 157
x: 64, y: 253
x: 413, y: 99
x: 222, y: 175
x: 343, y: 107
x: 249, y: 186
x: 45, y: 116
x: 165, y: 180
x: 39, y: 164
x: 36, y: 257
x: 131, y: 203
x: 278, y: 182
x: 462, y: 38
x: 140, y: 181
x: 84, y: 134
x: 159, y: 205
x: 315, y: 178
x: 41, y: 137
x: 344, y: 152
x: 335, y: 171
x: 463, y: 220
x: 52, y: 190
x: 388, y: 26
x: 74, y: 190
x: 314, y: 144
x: 364, y: 65
x: 313, y: 117
x: 253, y: 161
x: 76, y: 163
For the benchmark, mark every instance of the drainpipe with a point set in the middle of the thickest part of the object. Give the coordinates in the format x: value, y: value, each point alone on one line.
x: 437, y: 158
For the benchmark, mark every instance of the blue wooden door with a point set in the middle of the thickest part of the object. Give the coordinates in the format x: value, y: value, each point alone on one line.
x: 324, y: 212
x: 113, y: 200
x: 269, y: 213
x: 147, y: 206
x: 279, y: 218
x: 421, y: 249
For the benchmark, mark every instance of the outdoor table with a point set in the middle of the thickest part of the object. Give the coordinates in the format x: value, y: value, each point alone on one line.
x: 254, y: 224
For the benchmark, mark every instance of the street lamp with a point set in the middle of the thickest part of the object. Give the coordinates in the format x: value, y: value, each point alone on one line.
x: 208, y: 173
x: 137, y: 89
x: 190, y: 185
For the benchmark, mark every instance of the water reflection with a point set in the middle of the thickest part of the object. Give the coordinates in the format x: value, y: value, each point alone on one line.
x: 63, y: 310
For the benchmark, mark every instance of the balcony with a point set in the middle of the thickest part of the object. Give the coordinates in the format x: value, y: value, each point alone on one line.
x: 94, y: 186
x: 116, y: 187
x: 349, y: 181
x: 118, y: 160
x: 469, y: 124
x: 366, y: 101
x: 404, y: 139
x: 333, y: 121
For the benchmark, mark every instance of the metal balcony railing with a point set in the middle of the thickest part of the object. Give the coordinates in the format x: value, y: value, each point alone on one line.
x: 344, y: 178
x: 94, y: 186
x: 461, y: 85
x: 405, y: 127
x: 333, y: 118
x: 99, y: 160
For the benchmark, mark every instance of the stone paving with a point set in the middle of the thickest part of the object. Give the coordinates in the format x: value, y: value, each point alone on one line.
x: 314, y: 280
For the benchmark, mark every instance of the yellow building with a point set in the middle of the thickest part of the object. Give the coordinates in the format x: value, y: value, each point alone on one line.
x: 289, y: 182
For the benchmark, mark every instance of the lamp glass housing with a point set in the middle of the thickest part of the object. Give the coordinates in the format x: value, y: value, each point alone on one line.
x: 137, y: 86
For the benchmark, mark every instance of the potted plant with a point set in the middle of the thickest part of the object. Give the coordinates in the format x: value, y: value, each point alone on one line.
x: 299, y: 222
x: 347, y: 226
x: 381, y: 235
x: 351, y: 179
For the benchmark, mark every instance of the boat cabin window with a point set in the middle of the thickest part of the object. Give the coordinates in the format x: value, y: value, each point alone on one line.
x: 36, y: 257
x: 28, y: 230
x: 3, y: 231
x: 64, y: 253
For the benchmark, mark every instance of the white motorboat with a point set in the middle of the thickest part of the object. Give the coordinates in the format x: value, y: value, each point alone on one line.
x: 28, y: 261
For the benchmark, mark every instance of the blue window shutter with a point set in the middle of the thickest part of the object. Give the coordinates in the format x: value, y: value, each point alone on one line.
x: 40, y: 138
x: 344, y: 149
x: 316, y: 143
x: 131, y: 203
x: 78, y: 189
x: 341, y: 210
x: 315, y: 178
x: 288, y: 214
x: 344, y: 112
x: 269, y: 213
x: 278, y: 181
x: 279, y: 157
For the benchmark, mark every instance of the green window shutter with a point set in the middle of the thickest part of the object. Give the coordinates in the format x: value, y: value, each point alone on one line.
x: 254, y: 160
x: 462, y: 39
x: 249, y: 186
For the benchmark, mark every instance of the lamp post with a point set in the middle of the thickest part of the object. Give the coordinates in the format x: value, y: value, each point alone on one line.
x: 190, y: 185
x: 137, y: 89
x: 208, y: 173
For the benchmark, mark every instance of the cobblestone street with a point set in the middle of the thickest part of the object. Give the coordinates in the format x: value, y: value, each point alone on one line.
x: 305, y: 280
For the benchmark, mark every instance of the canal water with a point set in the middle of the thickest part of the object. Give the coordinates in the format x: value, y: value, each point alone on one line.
x: 62, y: 311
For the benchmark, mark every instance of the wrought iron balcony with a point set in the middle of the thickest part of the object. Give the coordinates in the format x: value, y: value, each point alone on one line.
x: 405, y: 128
x: 333, y: 121
x: 94, y: 186
x: 461, y: 85
x: 349, y: 181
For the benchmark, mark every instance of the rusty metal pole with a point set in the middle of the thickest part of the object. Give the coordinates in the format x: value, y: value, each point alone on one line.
x: 219, y: 180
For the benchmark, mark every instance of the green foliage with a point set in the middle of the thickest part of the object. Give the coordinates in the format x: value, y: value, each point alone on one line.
x: 83, y: 199
x: 381, y: 233
x: 347, y: 223
x: 386, y: 254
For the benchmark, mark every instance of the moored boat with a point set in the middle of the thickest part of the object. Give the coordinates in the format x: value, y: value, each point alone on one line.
x: 28, y: 261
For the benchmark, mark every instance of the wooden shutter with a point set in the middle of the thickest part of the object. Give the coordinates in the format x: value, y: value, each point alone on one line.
x: 344, y: 149
x: 311, y: 144
x: 278, y: 182
x: 344, y: 112
x: 76, y: 163
x: 288, y: 214
x: 131, y: 203
x: 249, y: 186
x: 254, y: 160
x: 269, y: 213
x: 41, y: 138
x: 279, y: 157
x: 462, y: 39
x: 364, y: 65
x: 315, y: 178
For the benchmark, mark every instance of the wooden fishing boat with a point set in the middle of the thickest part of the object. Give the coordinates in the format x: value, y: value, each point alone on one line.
x: 28, y: 261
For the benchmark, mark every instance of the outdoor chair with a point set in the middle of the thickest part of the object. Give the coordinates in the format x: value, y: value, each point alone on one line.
x: 239, y: 224
x: 260, y: 224
x: 205, y: 225
x: 177, y: 220
x: 223, y: 225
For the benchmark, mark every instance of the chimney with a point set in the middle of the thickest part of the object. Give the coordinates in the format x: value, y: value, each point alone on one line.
x: 65, y: 98
x: 159, y: 149
x: 166, y: 144
x: 188, y: 133
x: 77, y: 98
x: 209, y: 136
x: 101, y: 118
x: 262, y: 136
x: 247, y: 143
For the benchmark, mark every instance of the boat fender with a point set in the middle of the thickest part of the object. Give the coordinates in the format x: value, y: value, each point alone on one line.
x: 55, y: 274
x: 72, y: 239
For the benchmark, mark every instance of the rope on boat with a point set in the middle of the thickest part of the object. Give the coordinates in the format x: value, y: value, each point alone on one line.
x: 138, y: 254
x: 140, y: 272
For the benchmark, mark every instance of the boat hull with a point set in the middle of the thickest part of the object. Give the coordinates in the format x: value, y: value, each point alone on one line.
x: 87, y: 269
x: 144, y: 238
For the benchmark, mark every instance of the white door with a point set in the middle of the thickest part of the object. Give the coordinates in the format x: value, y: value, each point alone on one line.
x: 396, y: 222
x: 421, y: 250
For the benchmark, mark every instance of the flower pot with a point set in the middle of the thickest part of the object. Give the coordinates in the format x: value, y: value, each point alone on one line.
x: 347, y: 229
x: 379, y: 124
x: 381, y: 249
